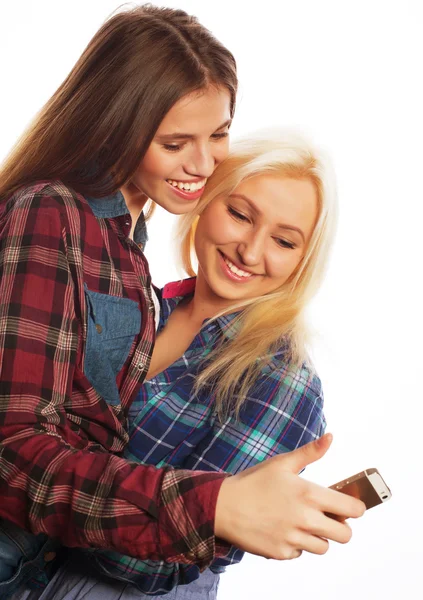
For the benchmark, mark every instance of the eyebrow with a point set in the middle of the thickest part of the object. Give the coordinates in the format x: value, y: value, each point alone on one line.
x: 189, y: 136
x: 257, y: 211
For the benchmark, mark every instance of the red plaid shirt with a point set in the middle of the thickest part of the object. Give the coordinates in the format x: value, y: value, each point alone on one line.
x: 60, y: 472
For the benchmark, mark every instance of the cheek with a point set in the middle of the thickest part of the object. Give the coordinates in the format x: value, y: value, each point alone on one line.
x: 223, y: 230
x: 199, y: 239
x: 217, y: 228
x: 222, y: 151
x: 209, y: 225
x: 283, y: 266
x: 154, y: 164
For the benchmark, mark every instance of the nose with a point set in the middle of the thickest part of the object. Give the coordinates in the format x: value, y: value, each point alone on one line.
x: 201, y: 162
x: 251, y: 248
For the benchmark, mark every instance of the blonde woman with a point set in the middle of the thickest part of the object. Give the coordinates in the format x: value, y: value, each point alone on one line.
x: 230, y: 382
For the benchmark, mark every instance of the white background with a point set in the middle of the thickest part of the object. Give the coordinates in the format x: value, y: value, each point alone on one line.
x: 348, y: 73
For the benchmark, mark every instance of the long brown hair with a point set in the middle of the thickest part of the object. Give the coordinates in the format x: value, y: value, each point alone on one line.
x: 111, y: 104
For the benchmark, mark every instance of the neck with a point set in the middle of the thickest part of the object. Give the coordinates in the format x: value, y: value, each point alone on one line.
x: 205, y: 304
x: 135, y: 201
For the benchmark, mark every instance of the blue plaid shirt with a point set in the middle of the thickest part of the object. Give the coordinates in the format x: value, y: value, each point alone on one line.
x: 170, y: 425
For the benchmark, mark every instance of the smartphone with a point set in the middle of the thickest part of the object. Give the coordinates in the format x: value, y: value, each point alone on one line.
x: 367, y: 486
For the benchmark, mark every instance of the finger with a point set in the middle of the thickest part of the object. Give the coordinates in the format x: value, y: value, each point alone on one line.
x: 330, y: 529
x: 341, y: 505
x: 311, y: 543
x: 339, y: 518
x: 286, y: 553
x: 298, y: 459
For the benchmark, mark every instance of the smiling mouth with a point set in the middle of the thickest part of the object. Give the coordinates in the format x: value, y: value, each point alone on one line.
x: 185, y: 186
x: 236, y: 270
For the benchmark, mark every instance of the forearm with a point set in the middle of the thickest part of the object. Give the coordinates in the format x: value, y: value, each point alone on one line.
x: 91, y: 499
x: 81, y: 497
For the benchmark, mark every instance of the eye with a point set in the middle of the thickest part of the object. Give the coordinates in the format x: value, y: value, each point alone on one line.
x: 237, y: 215
x: 220, y: 136
x: 172, y: 147
x: 284, y: 243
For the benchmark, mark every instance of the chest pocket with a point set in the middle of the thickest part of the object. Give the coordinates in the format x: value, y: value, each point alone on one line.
x: 112, y: 325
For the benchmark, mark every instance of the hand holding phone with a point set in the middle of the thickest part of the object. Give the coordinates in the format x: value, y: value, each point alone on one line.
x: 270, y: 510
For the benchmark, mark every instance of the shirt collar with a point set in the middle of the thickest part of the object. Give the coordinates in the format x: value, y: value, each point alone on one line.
x: 113, y: 206
x: 108, y: 207
x: 182, y: 288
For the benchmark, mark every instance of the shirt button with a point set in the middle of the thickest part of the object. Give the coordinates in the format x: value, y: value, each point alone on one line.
x: 49, y: 556
x: 98, y: 327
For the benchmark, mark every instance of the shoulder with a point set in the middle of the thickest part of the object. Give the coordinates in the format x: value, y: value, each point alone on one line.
x: 48, y: 204
x: 288, y: 384
x: 50, y: 195
x: 172, y: 294
x: 303, y: 378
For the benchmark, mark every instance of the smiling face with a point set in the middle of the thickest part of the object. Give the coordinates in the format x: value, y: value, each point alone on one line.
x: 190, y: 142
x: 250, y: 243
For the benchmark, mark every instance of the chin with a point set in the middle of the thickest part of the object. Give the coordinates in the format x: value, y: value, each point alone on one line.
x: 176, y: 208
x: 232, y: 298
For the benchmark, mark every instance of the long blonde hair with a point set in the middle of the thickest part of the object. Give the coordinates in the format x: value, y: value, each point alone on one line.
x: 275, y: 320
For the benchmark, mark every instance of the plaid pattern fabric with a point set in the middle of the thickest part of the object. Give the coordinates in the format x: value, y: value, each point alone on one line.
x: 59, y: 469
x: 170, y: 425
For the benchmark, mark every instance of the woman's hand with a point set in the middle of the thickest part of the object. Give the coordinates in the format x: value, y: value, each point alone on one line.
x: 270, y: 511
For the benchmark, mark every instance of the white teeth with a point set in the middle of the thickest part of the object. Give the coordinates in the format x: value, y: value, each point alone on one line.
x: 188, y: 187
x: 235, y: 269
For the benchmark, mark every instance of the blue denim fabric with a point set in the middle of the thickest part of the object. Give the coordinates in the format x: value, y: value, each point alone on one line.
x: 76, y: 581
x: 114, y: 206
x: 108, y: 207
x: 112, y: 325
x: 112, y: 322
x: 24, y: 558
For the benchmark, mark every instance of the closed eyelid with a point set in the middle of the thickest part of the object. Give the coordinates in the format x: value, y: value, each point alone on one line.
x: 282, y: 242
x: 173, y: 147
x: 285, y: 243
x: 238, y: 214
